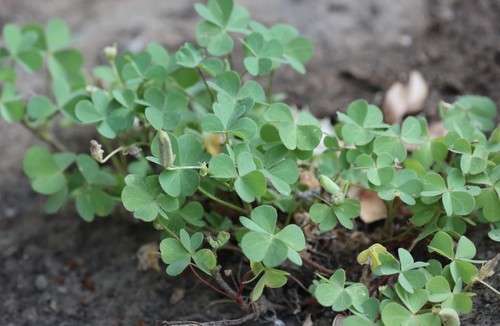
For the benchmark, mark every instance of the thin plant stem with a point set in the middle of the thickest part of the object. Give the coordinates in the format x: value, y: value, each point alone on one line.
x: 248, y: 208
x: 207, y: 283
x: 230, y: 60
x: 191, y: 97
x: 221, y: 201
x: 116, y: 163
x: 317, y: 266
x: 168, y: 230
x: 46, y: 137
x: 270, y: 86
x: 116, y: 73
x: 187, y: 167
x: 298, y: 282
x: 110, y: 155
x: 206, y: 86
x: 489, y: 287
x: 388, y: 227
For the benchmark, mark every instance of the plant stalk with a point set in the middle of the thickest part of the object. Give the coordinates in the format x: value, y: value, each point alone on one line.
x: 221, y: 201
x: 388, y: 226
x: 270, y: 86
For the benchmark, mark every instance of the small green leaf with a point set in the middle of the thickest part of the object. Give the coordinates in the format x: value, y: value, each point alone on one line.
x: 40, y: 107
x: 175, y: 255
x: 360, y: 122
x: 188, y: 56
x: 145, y: 198
x: 250, y: 186
x: 222, y: 166
x: 45, y: 173
x: 442, y: 244
x: 262, y: 244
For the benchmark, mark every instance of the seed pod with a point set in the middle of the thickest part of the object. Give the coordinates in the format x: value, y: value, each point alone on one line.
x: 96, y: 151
x: 166, y: 154
x: 329, y: 184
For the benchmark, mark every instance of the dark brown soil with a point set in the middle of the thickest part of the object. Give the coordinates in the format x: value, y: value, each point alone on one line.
x: 59, y: 270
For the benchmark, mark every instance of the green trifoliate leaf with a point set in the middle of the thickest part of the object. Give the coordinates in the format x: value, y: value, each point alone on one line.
x: 221, y: 239
x: 413, y: 301
x: 178, y: 253
x: 457, y: 198
x: 380, y: 171
x: 390, y: 145
x: 395, y: 314
x: 328, y: 216
x: 21, y: 45
x: 164, y: 111
x: 213, y: 66
x: 175, y: 255
x: 40, y: 107
x: 271, y: 277
x: 296, y: 49
x: 188, y: 153
x: 332, y: 293
x: 476, y: 110
x: 282, y: 175
x: 411, y: 130
x: 361, y: 121
x: 264, y: 244
x: 222, y: 166
x: 146, y: 199
x: 261, y: 55
x: 221, y: 17
x: 304, y: 134
x: 109, y: 120
x: 440, y: 291
x: 251, y: 186
x: 91, y: 172
x: 442, y: 244
x: 94, y: 201
x: 405, y: 185
x: 11, y: 105
x: 46, y: 170
x: 188, y: 56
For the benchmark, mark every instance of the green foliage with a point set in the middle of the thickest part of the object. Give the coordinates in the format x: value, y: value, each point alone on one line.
x: 263, y: 243
x: 192, y: 143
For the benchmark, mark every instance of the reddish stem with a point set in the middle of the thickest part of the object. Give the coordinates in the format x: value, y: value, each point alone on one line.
x: 208, y: 284
x: 319, y: 267
x: 242, y: 283
x: 379, y: 283
x: 298, y: 282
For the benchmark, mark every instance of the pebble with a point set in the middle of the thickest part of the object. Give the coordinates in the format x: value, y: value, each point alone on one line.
x: 30, y: 314
x: 62, y: 289
x: 41, y: 282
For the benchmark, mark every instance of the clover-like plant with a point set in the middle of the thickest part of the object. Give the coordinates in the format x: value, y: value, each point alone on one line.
x: 189, y: 142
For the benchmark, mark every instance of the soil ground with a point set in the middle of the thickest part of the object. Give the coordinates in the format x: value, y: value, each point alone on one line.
x: 59, y: 270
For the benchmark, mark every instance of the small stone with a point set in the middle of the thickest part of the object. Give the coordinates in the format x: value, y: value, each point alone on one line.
x: 41, y: 282
x: 62, y: 289
x: 30, y: 314
x: 53, y: 305
x: 177, y: 295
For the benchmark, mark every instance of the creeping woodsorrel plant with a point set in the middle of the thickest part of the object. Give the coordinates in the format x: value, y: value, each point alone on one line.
x: 214, y: 160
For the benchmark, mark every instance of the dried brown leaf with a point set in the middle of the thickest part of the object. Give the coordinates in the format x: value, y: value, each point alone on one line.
x: 147, y: 257
x: 402, y: 99
x: 372, y: 207
x: 307, y: 178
